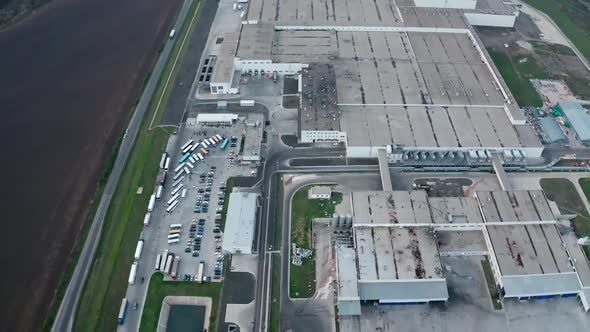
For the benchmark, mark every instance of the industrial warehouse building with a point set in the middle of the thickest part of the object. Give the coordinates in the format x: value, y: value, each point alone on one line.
x: 254, y: 125
x: 579, y: 119
x: 395, y: 259
x: 551, y: 130
x: 423, y: 84
x: 216, y: 119
x: 240, y: 222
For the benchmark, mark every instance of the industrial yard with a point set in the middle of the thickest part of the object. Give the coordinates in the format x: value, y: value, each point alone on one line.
x: 295, y: 174
x: 183, y: 237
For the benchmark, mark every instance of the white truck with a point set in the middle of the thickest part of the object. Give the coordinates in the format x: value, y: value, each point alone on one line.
x: 132, y: 273
x: 138, y: 250
x: 152, y: 203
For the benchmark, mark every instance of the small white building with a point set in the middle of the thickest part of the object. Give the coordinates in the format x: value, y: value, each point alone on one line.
x: 216, y: 119
x: 319, y: 192
x: 240, y: 222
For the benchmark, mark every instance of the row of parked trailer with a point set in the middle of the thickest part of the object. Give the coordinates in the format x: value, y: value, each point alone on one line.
x: 168, y: 263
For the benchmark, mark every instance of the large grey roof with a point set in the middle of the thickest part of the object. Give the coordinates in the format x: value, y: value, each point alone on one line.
x: 347, y: 274
x: 546, y: 284
x: 414, y: 291
x: 240, y: 222
x: 578, y: 117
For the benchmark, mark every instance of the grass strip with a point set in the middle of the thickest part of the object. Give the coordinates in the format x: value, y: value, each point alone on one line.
x: 303, y: 211
x: 107, y: 281
x: 275, y: 307
x: 487, y: 271
x: 159, y: 289
x: 516, y: 74
x: 278, y: 226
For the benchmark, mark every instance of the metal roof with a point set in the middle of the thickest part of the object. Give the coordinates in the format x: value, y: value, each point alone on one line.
x: 544, y: 284
x: 553, y: 132
x: 578, y: 117
x: 404, y: 291
x: 239, y: 225
x: 348, y: 294
x: 216, y: 117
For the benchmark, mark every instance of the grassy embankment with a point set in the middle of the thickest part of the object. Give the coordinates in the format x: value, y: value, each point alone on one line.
x: 275, y: 295
x: 159, y: 289
x: 278, y: 226
x: 107, y: 281
x: 572, y: 18
x: 303, y: 210
x: 563, y: 192
x: 517, y: 74
x: 275, y: 307
x: 487, y: 271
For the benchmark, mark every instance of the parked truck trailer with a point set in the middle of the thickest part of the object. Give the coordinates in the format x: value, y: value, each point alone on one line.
x: 132, y: 273
x: 152, y: 203
x: 138, y: 250
x: 174, y: 271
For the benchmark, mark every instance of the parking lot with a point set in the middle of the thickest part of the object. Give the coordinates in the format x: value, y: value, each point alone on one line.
x: 200, y: 212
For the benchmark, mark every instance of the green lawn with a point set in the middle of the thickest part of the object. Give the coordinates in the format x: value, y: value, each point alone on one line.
x: 487, y: 271
x: 302, y: 278
x: 278, y: 229
x: 159, y: 289
x: 572, y: 18
x: 275, y: 307
x: 107, y: 280
x: 563, y: 192
x: 517, y: 74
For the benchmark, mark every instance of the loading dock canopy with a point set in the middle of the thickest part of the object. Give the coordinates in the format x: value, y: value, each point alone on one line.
x: 545, y: 284
x: 206, y: 118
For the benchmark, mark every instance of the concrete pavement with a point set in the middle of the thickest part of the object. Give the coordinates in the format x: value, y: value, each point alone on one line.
x: 65, y: 316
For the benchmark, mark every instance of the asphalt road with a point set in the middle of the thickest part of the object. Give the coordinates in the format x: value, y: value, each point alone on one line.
x: 64, y: 319
x: 277, y: 162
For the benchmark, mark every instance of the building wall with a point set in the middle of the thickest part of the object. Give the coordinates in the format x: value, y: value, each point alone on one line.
x: 371, y: 151
x: 311, y: 136
x: 268, y: 66
x: 221, y: 88
x: 457, y: 4
x: 491, y: 20
x: 251, y: 158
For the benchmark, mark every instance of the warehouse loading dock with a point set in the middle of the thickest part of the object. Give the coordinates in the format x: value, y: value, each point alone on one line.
x: 395, y: 236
